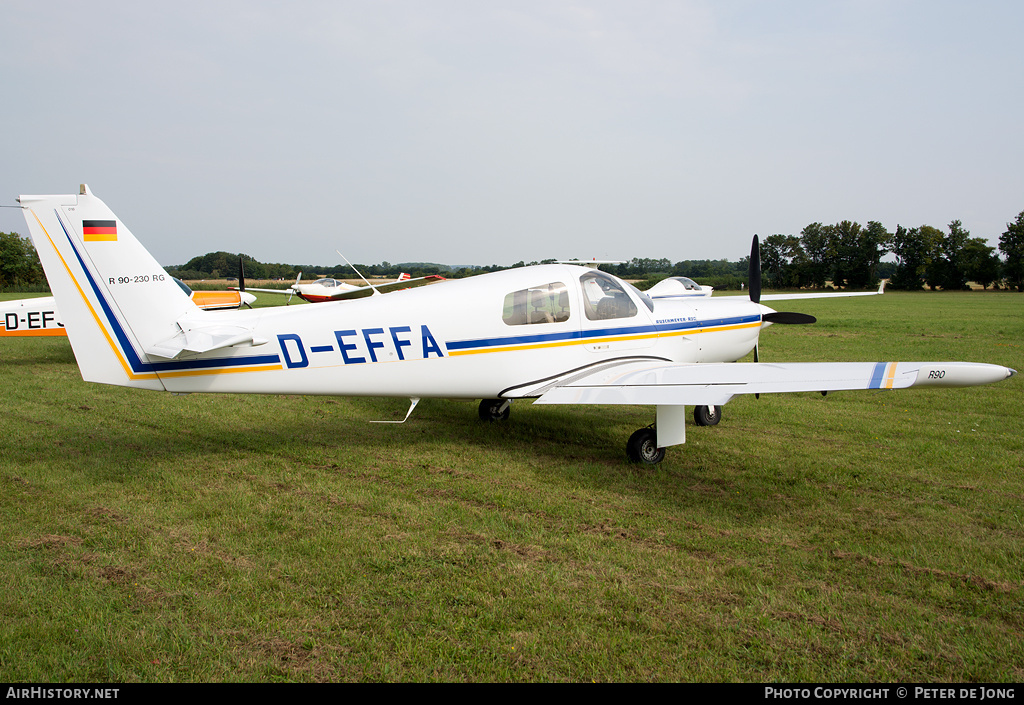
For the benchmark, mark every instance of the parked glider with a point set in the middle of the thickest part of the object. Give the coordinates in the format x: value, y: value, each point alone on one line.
x: 328, y: 289
x: 558, y: 334
x: 39, y: 317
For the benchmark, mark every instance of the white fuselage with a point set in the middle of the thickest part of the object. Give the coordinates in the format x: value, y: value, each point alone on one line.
x: 480, y: 337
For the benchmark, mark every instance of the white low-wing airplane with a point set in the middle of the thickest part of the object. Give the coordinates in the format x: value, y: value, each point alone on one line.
x: 39, y: 317
x: 559, y: 334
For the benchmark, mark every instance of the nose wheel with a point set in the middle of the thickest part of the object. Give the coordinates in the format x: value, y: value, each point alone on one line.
x: 492, y: 410
x: 707, y: 415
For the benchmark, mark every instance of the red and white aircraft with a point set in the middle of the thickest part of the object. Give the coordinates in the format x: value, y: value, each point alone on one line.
x: 557, y: 334
x: 328, y: 289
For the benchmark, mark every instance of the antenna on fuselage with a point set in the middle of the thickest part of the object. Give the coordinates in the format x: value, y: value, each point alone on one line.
x: 375, y: 292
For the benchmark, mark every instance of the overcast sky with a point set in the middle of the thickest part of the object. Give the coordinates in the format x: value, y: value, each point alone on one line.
x: 481, y: 131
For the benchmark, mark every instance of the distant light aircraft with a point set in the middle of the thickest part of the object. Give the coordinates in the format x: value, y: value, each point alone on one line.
x: 328, y: 289
x: 558, y: 334
x: 677, y: 288
x: 39, y: 317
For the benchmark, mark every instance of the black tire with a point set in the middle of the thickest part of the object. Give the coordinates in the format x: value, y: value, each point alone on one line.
x: 642, y: 447
x: 707, y: 415
x: 492, y: 410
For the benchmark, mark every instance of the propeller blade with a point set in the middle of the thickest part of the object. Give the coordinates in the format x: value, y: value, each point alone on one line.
x: 242, y: 286
x: 787, y: 318
x: 754, y: 271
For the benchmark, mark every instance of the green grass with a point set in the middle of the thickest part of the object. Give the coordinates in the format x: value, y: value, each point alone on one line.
x: 871, y: 536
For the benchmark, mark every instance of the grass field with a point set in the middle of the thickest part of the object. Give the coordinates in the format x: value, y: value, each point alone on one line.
x: 863, y: 536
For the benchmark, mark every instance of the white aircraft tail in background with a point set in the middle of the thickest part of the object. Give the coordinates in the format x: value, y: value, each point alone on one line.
x: 558, y: 334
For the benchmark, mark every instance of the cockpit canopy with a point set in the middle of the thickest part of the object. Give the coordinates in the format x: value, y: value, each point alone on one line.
x: 604, y: 298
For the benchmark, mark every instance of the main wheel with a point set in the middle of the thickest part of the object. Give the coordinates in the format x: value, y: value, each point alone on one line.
x: 642, y: 447
x: 707, y: 415
x: 495, y: 409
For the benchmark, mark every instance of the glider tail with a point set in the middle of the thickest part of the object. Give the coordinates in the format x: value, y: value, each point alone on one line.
x: 115, y: 299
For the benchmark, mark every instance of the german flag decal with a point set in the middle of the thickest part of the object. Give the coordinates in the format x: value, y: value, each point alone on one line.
x: 99, y: 230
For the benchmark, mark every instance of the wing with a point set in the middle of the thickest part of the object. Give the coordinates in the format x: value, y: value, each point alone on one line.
x: 638, y: 382
x: 817, y: 295
x: 362, y: 291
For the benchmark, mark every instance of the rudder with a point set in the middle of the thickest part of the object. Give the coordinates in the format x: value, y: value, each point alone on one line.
x: 114, y: 298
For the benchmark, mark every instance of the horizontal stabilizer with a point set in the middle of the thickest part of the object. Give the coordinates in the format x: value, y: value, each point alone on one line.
x: 193, y: 340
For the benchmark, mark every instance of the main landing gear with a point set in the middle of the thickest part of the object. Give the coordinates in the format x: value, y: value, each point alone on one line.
x: 493, y: 410
x: 642, y: 446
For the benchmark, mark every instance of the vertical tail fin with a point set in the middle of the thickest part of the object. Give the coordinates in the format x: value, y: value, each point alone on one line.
x: 115, y: 299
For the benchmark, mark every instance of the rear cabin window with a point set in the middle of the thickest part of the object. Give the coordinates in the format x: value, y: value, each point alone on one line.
x: 604, y: 298
x: 547, y: 303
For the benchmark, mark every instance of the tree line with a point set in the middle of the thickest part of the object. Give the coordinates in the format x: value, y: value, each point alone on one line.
x: 841, y: 255
x: 848, y: 255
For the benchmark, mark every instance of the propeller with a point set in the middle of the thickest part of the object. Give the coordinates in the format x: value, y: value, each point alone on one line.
x: 754, y: 283
x: 241, y: 285
x: 293, y: 289
x: 754, y: 271
x: 783, y: 317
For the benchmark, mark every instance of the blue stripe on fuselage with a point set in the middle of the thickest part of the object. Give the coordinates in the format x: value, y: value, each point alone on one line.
x: 675, y: 326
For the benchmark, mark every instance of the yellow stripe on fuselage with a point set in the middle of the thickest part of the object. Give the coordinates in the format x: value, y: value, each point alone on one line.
x: 608, y: 339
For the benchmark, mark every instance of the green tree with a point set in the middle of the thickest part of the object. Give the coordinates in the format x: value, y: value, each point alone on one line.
x: 949, y: 266
x: 1011, y: 244
x: 778, y: 254
x: 914, y: 249
x: 816, y: 241
x: 856, y: 253
x: 19, y: 263
x: 983, y: 265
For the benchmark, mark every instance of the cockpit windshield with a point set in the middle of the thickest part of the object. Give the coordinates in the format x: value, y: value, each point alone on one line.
x: 330, y: 283
x: 605, y: 298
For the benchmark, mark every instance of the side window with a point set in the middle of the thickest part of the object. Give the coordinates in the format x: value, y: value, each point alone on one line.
x: 548, y: 303
x: 604, y: 298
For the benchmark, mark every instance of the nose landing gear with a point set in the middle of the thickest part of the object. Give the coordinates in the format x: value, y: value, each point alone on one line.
x: 707, y: 415
x: 492, y: 410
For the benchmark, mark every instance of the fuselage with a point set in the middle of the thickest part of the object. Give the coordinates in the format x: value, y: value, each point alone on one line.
x: 321, y: 290
x: 479, y: 337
